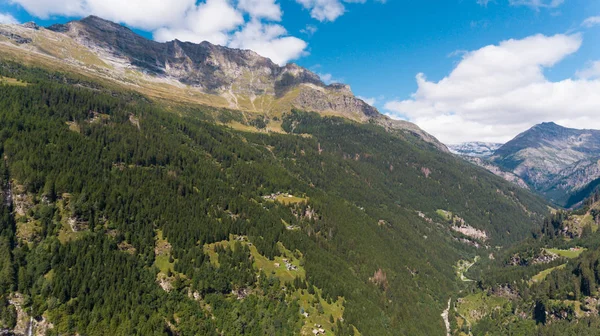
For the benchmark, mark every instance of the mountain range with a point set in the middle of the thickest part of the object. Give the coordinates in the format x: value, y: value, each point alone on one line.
x: 191, y: 189
x: 201, y: 73
x: 557, y: 161
x: 562, y: 164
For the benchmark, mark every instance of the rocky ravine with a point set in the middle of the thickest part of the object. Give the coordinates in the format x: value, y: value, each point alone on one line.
x: 183, y: 71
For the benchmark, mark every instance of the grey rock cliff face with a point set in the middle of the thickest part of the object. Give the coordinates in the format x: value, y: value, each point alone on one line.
x: 213, y: 68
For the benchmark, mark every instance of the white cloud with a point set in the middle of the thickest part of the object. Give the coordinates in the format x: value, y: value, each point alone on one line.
x: 310, y: 30
x: 328, y: 78
x: 323, y: 10
x: 269, y: 40
x: 261, y: 9
x: 45, y: 8
x: 591, y: 21
x: 484, y: 2
x: 370, y: 101
x: 144, y: 14
x: 329, y: 10
x: 591, y: 72
x: 6, y: 18
x: 210, y: 21
x: 500, y: 90
x: 217, y: 21
x: 537, y: 4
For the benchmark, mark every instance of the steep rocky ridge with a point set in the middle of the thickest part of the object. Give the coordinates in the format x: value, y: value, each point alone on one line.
x: 188, y: 72
x: 554, y: 160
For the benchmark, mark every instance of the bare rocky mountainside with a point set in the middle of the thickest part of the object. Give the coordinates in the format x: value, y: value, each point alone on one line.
x: 561, y: 163
x: 187, y: 72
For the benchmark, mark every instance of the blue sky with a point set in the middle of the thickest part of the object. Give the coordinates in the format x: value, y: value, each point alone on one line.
x: 378, y: 47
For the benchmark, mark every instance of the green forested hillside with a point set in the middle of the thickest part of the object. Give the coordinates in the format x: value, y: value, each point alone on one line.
x: 547, y: 285
x: 125, y: 216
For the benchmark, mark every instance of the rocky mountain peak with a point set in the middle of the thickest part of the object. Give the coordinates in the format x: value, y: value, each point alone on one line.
x: 31, y: 25
x: 203, y: 72
x: 98, y: 22
x: 342, y: 88
x: 548, y: 125
x: 548, y: 128
x: 554, y: 160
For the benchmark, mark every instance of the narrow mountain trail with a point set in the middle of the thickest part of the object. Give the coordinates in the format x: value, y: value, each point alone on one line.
x: 445, y: 316
x: 464, y: 268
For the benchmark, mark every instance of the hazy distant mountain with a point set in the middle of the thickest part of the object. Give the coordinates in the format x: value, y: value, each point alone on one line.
x: 559, y: 162
x: 476, y: 149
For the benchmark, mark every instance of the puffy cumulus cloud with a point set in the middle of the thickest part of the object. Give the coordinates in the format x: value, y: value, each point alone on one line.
x: 323, y: 10
x: 328, y: 78
x: 329, y: 10
x: 210, y: 21
x: 370, y: 101
x: 6, y: 18
x: 144, y: 14
x: 261, y: 9
x: 591, y: 21
x: 500, y: 90
x: 239, y: 24
x: 269, y: 40
x: 45, y: 8
x: 591, y: 72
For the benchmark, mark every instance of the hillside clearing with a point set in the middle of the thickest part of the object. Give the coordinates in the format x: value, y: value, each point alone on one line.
x: 570, y: 254
x: 543, y: 274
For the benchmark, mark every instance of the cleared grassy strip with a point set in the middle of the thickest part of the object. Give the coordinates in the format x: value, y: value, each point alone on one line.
x: 570, y: 254
x: 289, y: 199
x: 278, y: 267
x: 163, y: 254
x: 447, y: 215
x: 476, y: 306
x: 543, y: 274
x: 66, y: 233
x: 163, y: 264
x: 11, y: 81
x: 319, y: 311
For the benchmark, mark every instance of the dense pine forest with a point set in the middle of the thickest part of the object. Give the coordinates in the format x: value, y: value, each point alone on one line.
x: 126, y: 216
x: 546, y: 285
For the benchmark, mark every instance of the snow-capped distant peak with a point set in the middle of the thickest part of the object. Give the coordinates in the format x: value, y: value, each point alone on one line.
x: 477, y: 149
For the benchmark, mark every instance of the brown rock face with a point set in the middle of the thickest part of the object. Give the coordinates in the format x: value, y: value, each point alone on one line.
x: 215, y: 69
